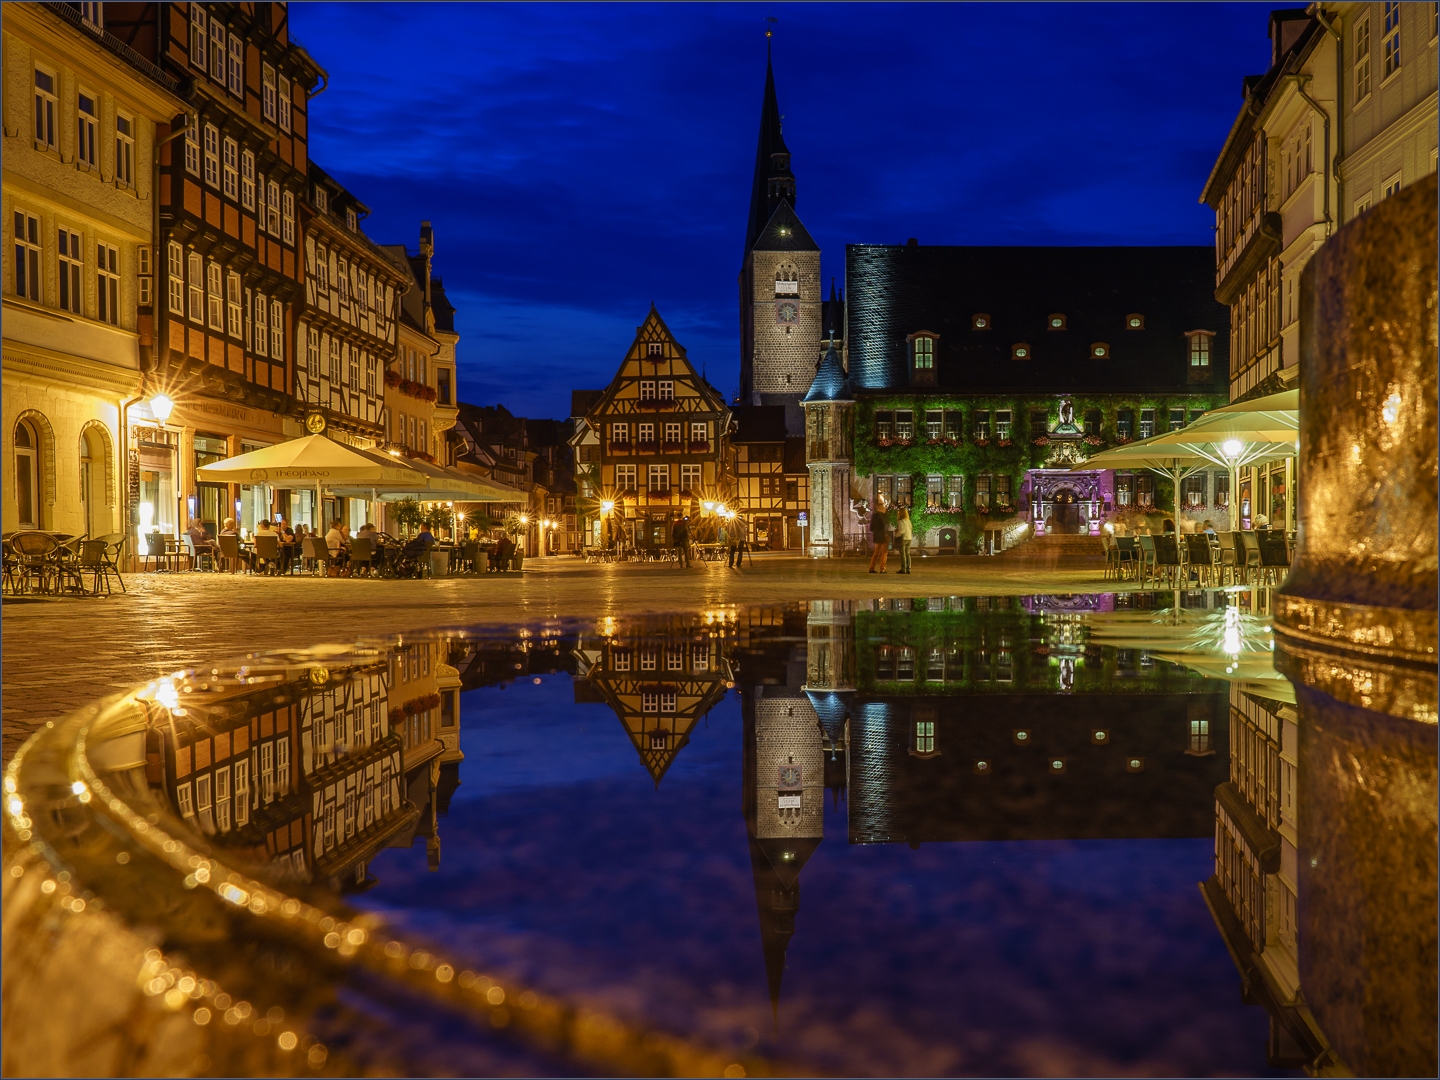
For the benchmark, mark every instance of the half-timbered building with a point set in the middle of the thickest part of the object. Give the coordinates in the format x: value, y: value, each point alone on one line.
x: 347, y: 323
x: 664, y: 439
x: 228, y: 271
x: 771, y: 478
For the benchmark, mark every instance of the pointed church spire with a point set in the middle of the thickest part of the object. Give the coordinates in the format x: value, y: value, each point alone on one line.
x: 773, y: 179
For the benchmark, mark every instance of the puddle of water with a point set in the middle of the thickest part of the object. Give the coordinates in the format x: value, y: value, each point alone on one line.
x: 927, y: 836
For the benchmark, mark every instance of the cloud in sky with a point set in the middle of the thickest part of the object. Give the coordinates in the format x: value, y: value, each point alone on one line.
x: 579, y: 162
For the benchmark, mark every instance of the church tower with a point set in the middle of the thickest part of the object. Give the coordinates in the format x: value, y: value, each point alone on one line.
x: 780, y: 303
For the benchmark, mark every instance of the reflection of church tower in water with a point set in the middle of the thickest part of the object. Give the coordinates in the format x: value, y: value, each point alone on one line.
x: 794, y: 738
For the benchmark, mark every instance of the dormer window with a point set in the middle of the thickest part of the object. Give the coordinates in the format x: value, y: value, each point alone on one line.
x: 322, y: 200
x: 1020, y: 351
x: 1099, y: 350
x: 922, y: 358
x: 351, y: 222
x: 1056, y: 322
x: 980, y: 322
x: 1200, y: 348
x: 1134, y: 321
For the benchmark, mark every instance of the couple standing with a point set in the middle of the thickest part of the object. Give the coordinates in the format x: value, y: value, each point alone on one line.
x: 880, y: 537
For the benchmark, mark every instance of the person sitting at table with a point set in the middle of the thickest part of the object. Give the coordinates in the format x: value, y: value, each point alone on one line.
x: 200, y: 539
x: 228, y: 529
x: 503, y: 548
x: 1167, y: 526
x: 368, y: 532
x: 1207, y: 527
x: 288, y: 544
x: 335, y: 540
x: 1260, y: 521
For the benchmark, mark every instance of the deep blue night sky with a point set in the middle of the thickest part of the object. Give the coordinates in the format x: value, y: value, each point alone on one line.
x: 580, y: 161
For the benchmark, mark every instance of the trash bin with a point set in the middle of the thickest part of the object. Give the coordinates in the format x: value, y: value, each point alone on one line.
x: 439, y: 563
x: 482, y: 561
x: 516, y: 560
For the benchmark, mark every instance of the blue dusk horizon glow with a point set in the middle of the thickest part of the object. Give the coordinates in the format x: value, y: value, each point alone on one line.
x: 579, y: 162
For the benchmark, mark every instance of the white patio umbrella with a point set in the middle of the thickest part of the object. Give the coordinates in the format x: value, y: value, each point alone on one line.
x: 315, y: 461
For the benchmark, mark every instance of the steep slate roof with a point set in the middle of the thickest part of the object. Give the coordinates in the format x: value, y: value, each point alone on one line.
x: 758, y: 423
x: 830, y: 382
x: 440, y: 304
x: 582, y: 401
x: 897, y: 290
x: 771, y: 142
x: 784, y: 232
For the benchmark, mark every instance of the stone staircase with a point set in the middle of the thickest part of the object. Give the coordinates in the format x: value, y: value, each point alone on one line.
x: 1059, y: 549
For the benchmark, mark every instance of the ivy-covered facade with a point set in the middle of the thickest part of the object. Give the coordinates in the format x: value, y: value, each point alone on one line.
x: 981, y: 378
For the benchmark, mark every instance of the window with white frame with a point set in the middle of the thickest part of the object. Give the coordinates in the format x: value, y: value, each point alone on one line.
x: 312, y: 353
x: 625, y: 477
x: 217, y: 51
x: 267, y: 92
x: 145, y: 298
x: 27, y: 256
x: 212, y: 155
x: 233, y: 306
x: 672, y: 434
x: 371, y: 368
x: 107, y: 284
x: 230, y: 168
x: 1362, y: 59
x: 175, y: 277
x: 282, y: 765
x: 659, y: 478
x: 184, y: 800
x: 354, y: 368
x: 192, y: 145
x: 86, y: 120
x: 214, y: 298
x: 1390, y: 187
x: 287, y: 217
x: 45, y: 108
x: 1200, y: 349
x: 335, y: 361
x: 94, y: 14
x: 242, y: 792
x: 261, y: 325
x: 247, y: 180
x: 1147, y: 423
x: 1391, y: 41
x: 284, y: 103
x: 277, y: 330
x: 666, y: 390
x: 195, y: 293
x: 645, y: 433
x: 322, y: 199
x: 699, y: 431
x: 197, y: 36
x: 351, y: 221
x: 690, y: 477
x: 235, y: 70
x: 124, y: 150
x: 272, y: 204
x: 222, y: 798
x: 647, y: 389
x: 72, y: 265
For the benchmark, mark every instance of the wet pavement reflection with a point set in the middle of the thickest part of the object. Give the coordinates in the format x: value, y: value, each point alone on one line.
x: 936, y: 835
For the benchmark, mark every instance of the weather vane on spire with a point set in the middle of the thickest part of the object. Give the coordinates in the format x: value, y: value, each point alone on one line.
x: 770, y: 30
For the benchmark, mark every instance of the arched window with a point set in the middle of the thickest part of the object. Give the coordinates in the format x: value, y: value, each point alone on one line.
x: 27, y: 475
x: 97, y: 479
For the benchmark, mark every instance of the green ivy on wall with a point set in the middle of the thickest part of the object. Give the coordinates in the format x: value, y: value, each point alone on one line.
x: 967, y: 459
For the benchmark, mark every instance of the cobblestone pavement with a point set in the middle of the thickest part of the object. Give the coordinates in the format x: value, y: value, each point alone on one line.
x: 61, y: 654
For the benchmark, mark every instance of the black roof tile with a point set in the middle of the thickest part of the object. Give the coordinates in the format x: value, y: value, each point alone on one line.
x: 894, y: 291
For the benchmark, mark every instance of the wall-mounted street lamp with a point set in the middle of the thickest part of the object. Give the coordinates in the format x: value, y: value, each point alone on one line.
x: 161, y: 406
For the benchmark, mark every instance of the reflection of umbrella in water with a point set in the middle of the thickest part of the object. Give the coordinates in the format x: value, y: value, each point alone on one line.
x: 1227, y: 644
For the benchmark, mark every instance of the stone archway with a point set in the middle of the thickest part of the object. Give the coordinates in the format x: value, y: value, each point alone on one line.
x: 1064, y: 511
x: 101, y: 452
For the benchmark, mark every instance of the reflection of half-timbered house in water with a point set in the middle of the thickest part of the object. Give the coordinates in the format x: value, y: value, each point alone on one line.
x: 660, y: 676
x: 314, y: 772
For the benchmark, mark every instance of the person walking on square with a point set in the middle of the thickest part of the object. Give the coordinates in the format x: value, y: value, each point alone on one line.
x: 880, y: 538
x: 905, y: 533
x: 737, y: 542
x: 681, y: 539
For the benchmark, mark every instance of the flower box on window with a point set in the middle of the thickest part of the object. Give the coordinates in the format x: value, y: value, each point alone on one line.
x: 646, y: 446
x: 392, y: 378
x: 662, y: 494
x: 1003, y: 442
x: 700, y: 446
x: 672, y: 447
x: 656, y: 404
x: 620, y: 447
x: 982, y: 440
x: 1040, y: 440
x: 1094, y: 440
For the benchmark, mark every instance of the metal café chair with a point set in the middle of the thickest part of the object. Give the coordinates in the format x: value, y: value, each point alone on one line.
x: 33, y: 552
x: 1247, y: 554
x: 1201, y: 556
x: 1274, y: 556
x: 12, y: 564
x: 68, y: 575
x: 1230, y: 557
x: 1147, y: 567
x: 1167, y: 557
x: 1126, y: 555
x: 95, y: 563
x: 315, y: 554
x: 267, y: 551
x: 230, y: 552
x: 152, y: 546
x: 362, y: 555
